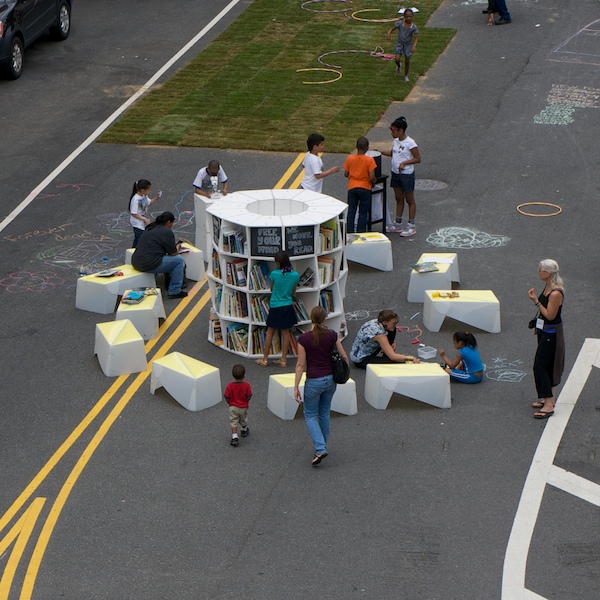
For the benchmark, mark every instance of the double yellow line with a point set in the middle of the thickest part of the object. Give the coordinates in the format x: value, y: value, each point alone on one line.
x: 21, y: 532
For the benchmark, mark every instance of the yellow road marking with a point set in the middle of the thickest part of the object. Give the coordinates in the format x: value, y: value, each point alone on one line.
x: 289, y: 172
x: 44, y: 538
x: 89, y: 418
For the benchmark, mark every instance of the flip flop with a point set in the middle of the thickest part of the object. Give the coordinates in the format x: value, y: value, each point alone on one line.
x: 280, y: 363
x: 261, y: 362
x: 542, y: 414
x: 538, y: 404
x: 318, y: 458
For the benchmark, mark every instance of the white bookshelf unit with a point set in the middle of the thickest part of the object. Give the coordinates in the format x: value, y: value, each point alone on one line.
x: 246, y: 230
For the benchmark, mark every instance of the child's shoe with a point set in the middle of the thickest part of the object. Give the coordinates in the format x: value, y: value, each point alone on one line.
x: 245, y: 432
x: 235, y: 442
x: 410, y: 230
x: 406, y: 78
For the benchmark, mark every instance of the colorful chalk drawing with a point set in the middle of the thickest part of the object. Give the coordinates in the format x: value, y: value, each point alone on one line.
x: 25, y: 281
x: 61, y: 186
x: 583, y: 48
x: 504, y: 370
x: 562, y: 102
x: 463, y: 237
x: 89, y: 255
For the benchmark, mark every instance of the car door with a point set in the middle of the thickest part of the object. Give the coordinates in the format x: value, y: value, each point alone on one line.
x: 32, y: 18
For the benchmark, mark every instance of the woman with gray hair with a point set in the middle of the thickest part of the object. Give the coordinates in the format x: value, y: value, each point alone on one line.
x: 549, y: 360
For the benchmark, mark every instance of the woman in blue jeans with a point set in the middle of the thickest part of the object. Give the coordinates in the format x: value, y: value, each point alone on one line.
x: 314, y: 356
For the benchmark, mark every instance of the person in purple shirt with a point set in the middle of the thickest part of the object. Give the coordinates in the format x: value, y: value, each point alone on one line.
x: 314, y: 356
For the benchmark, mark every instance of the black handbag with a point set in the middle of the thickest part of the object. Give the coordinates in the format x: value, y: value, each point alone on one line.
x: 531, y: 324
x: 341, y: 369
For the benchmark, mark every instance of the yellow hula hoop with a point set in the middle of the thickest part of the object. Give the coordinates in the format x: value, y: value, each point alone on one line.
x: 339, y: 76
x: 528, y: 214
x: 352, y: 16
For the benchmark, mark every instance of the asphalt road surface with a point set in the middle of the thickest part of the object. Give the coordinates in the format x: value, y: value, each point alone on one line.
x: 110, y: 492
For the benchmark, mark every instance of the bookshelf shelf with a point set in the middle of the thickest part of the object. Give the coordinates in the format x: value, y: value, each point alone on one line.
x: 244, y: 230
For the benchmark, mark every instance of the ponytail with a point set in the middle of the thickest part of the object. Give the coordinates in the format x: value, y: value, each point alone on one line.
x: 141, y: 184
x: 468, y: 339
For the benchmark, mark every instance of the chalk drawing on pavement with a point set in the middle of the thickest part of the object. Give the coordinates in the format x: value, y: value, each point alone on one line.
x: 562, y: 102
x: 465, y: 237
x: 505, y: 370
x: 25, y: 281
x: 582, y: 48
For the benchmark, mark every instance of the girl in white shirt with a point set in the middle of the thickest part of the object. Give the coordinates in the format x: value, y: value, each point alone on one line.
x: 138, y: 207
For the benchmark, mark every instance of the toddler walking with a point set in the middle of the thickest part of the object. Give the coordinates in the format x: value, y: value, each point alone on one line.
x: 237, y: 395
x: 467, y: 366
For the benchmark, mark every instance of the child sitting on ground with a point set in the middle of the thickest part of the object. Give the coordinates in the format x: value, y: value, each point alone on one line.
x: 237, y: 395
x: 467, y: 366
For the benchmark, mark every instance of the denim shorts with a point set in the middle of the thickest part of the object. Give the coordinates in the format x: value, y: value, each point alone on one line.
x: 404, y: 181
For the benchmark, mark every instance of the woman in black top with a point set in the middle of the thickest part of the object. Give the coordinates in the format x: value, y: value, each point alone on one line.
x: 550, y: 355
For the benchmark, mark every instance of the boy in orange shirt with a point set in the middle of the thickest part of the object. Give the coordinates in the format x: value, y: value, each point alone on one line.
x: 360, y: 171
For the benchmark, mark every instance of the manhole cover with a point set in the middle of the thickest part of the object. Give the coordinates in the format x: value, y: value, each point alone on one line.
x: 430, y: 184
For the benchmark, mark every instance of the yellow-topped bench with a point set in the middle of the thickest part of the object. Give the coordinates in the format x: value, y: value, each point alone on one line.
x: 479, y: 308
x: 192, y: 256
x: 419, y: 283
x: 144, y: 315
x: 372, y: 249
x: 120, y: 348
x: 426, y: 382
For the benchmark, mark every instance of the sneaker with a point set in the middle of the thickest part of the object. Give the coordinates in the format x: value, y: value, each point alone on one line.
x: 394, y: 228
x: 410, y: 230
x: 406, y: 78
x: 180, y: 295
x: 235, y: 442
x: 245, y: 432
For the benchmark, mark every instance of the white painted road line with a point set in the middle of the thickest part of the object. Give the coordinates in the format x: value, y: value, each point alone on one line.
x: 540, y: 474
x: 108, y: 122
x: 574, y: 485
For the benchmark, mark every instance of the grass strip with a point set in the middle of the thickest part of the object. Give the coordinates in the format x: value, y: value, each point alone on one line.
x: 243, y: 90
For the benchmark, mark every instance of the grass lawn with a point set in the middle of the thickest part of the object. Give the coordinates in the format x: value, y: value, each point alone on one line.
x: 243, y: 91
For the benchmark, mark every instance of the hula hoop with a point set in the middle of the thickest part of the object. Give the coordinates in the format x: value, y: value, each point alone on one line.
x: 320, y: 82
x: 338, y: 10
x: 377, y: 53
x: 362, y: 10
x: 528, y: 214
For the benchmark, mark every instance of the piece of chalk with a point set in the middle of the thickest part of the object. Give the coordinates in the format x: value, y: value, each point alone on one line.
x: 413, y: 316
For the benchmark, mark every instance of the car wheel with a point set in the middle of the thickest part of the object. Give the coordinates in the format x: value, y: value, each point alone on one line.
x: 61, y: 30
x: 15, y: 62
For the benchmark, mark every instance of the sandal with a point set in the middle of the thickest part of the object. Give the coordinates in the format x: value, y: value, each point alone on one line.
x: 538, y: 404
x: 318, y: 458
x: 280, y: 363
x: 543, y: 414
x: 261, y: 362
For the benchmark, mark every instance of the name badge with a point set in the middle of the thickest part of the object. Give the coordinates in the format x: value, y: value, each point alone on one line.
x: 539, y: 323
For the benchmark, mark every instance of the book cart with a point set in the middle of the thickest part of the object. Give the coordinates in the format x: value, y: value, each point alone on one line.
x: 247, y: 229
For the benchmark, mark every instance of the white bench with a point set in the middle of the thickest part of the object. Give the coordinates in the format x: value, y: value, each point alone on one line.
x: 144, y: 315
x: 193, y: 258
x: 426, y: 382
x: 99, y: 294
x: 120, y: 348
x: 194, y: 384
x: 281, y: 401
x: 479, y: 308
x: 419, y: 283
x: 371, y: 249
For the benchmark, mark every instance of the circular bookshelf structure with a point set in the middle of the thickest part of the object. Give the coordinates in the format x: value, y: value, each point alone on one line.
x: 246, y: 230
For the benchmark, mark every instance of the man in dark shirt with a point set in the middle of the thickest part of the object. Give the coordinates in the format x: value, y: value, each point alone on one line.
x: 157, y: 252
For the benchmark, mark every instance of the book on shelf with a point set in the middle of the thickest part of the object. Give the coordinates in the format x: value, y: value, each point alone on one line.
x: 237, y: 337
x: 307, y: 278
x: 216, y: 267
x: 326, y: 266
x: 326, y: 300
x: 425, y: 267
x: 234, y: 304
x: 295, y: 333
x: 218, y: 296
x: 235, y: 241
x: 259, y: 276
x: 228, y: 273
x: 259, y: 335
x: 300, y: 309
x: 328, y: 234
x: 240, y: 266
x: 216, y: 333
x: 260, y: 308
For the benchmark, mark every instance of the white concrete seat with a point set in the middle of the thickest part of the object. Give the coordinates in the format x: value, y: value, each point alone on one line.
x: 447, y: 264
x: 99, y: 294
x: 194, y: 384
x: 120, y: 348
x: 371, y: 249
x: 281, y: 401
x: 479, y: 308
x: 426, y: 382
x: 144, y: 316
x: 193, y: 258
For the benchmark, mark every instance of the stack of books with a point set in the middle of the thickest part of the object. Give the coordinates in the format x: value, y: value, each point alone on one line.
x: 259, y: 277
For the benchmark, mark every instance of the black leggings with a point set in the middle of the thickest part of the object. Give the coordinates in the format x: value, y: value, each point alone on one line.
x: 543, y: 365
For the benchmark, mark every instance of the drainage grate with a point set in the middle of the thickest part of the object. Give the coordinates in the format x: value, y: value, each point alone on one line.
x: 430, y: 184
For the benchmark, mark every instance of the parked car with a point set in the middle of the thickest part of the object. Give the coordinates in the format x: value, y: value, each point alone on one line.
x: 24, y: 21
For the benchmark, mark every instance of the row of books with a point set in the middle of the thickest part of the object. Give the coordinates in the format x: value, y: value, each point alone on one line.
x: 260, y: 308
x: 234, y: 304
x: 326, y: 300
x: 326, y: 267
x: 328, y: 236
x: 259, y: 277
x: 235, y: 242
x: 258, y: 341
x: 216, y: 267
x: 237, y: 337
x: 236, y: 272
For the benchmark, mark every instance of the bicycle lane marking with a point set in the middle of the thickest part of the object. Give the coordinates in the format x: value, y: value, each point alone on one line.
x: 543, y: 472
x: 106, y: 124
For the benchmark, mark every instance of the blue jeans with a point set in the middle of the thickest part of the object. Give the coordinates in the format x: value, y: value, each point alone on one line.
x: 137, y: 234
x: 358, y: 198
x: 173, y: 265
x: 318, y: 393
x: 502, y: 10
